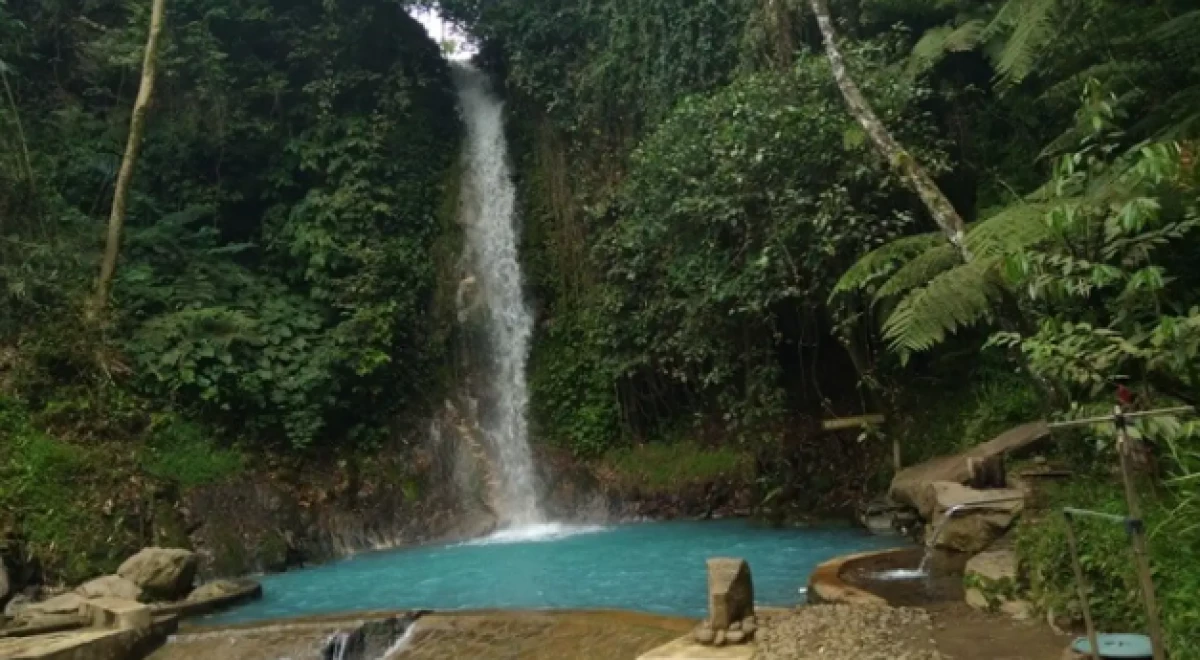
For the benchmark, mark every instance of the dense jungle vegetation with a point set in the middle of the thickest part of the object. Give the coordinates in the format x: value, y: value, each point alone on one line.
x: 718, y: 254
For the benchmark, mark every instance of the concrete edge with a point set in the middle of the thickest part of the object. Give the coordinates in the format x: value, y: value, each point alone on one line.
x: 825, y: 585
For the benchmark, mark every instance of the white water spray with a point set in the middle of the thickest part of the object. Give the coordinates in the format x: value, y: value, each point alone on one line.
x: 488, y: 215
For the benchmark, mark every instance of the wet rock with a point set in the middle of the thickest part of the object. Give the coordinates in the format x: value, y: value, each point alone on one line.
x: 214, y: 589
x: 111, y: 586
x: 971, y: 530
x: 368, y: 641
x: 162, y: 573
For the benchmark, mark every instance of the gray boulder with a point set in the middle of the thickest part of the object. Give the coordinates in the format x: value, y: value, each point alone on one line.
x: 162, y: 573
x: 111, y: 586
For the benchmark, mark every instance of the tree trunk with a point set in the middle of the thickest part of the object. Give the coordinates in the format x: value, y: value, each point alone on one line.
x: 116, y: 220
x: 917, y: 178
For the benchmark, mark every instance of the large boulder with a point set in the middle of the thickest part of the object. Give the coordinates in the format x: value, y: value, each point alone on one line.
x: 974, y: 528
x: 111, y: 586
x: 911, y: 485
x: 162, y: 573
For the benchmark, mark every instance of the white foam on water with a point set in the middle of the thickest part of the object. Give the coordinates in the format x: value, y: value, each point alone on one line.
x: 401, y: 642
x: 539, y: 533
x: 900, y: 574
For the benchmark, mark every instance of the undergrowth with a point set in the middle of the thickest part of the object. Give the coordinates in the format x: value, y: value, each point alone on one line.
x: 1108, y: 561
x: 183, y: 453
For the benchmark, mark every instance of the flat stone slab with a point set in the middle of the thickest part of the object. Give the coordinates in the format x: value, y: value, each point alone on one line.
x: 686, y: 648
x: 80, y: 645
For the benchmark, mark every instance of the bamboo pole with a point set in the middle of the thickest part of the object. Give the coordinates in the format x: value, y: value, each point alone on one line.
x: 1081, y: 585
x: 1137, y: 530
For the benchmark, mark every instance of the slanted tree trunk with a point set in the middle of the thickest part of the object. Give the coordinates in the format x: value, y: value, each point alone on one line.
x: 917, y: 178
x: 116, y: 220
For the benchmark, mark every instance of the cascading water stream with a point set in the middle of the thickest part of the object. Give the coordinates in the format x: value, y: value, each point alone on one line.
x: 488, y: 215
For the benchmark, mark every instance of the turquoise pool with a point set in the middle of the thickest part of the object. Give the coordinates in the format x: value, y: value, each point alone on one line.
x: 651, y: 567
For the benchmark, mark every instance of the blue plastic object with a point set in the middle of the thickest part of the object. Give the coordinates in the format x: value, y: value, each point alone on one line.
x: 1117, y: 646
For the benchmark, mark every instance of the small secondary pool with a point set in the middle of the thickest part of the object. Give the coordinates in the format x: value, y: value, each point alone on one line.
x: 650, y: 567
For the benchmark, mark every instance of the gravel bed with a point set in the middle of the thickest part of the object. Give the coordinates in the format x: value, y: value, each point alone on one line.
x: 841, y: 632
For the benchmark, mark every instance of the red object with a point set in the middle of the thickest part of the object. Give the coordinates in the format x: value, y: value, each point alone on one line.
x: 1124, y: 395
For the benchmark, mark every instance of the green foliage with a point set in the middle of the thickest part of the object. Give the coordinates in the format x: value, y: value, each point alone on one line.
x: 718, y: 239
x: 276, y: 278
x: 52, y: 492
x: 671, y: 467
x: 181, y: 452
x: 1110, y: 308
x: 1107, y: 560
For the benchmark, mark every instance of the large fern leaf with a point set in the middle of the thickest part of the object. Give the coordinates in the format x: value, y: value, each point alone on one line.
x: 1029, y: 25
x: 919, y: 270
x: 938, y: 41
x: 955, y: 299
x: 1018, y: 226
x: 883, y: 260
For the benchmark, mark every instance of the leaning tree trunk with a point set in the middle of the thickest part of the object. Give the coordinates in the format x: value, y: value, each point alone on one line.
x: 116, y: 220
x: 939, y: 207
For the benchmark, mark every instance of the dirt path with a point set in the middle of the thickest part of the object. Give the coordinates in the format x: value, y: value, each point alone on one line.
x: 963, y: 633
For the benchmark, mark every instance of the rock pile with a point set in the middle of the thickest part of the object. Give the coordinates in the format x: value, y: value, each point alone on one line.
x: 157, y: 578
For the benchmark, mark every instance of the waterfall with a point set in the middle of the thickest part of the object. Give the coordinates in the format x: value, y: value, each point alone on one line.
x: 488, y: 216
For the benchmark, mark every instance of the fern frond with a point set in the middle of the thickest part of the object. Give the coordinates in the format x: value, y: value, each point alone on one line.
x: 1030, y: 26
x: 955, y: 299
x: 1114, y: 75
x: 938, y: 41
x: 1176, y: 119
x: 1182, y: 29
x: 919, y: 271
x: 1018, y: 226
x: 883, y: 260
